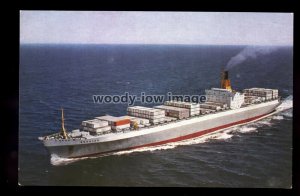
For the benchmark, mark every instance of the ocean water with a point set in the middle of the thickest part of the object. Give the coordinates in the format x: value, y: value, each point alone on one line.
x: 258, y: 154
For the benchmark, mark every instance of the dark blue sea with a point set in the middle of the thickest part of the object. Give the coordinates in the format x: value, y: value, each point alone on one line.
x: 54, y: 76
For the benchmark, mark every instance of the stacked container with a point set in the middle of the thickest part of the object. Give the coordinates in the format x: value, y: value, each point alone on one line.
x: 194, y: 108
x: 223, y: 106
x: 169, y: 119
x: 116, y: 123
x: 210, y: 106
x: 275, y: 93
x: 141, y: 122
x: 120, y: 124
x: 155, y: 116
x: 95, y: 126
x: 268, y: 94
x: 176, y: 112
x: 250, y: 99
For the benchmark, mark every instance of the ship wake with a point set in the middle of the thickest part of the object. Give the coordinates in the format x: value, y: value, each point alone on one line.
x: 57, y: 160
x: 282, y: 111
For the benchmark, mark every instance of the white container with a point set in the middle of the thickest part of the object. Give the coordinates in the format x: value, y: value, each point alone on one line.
x: 76, y: 131
x: 98, y: 130
x: 83, y: 123
x: 120, y: 127
x: 84, y: 134
x: 96, y: 123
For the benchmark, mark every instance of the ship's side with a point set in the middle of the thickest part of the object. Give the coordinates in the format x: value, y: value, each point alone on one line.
x: 160, y: 134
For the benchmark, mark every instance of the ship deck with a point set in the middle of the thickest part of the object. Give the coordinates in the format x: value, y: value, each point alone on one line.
x: 152, y: 128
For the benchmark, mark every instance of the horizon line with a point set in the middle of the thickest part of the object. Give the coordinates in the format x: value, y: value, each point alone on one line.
x: 275, y: 45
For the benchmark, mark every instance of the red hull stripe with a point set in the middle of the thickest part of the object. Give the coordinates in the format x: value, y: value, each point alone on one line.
x: 193, y: 135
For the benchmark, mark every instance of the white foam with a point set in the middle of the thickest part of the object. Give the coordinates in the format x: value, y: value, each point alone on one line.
x: 223, y: 136
x: 278, y: 117
x: 265, y: 122
x: 247, y: 129
x: 286, y: 104
x: 57, y: 160
x: 288, y: 113
x: 154, y: 148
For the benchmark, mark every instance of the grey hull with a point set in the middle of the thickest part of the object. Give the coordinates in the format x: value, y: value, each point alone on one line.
x: 172, y: 132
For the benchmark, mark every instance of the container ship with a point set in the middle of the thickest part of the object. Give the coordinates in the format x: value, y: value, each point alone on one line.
x: 171, y: 122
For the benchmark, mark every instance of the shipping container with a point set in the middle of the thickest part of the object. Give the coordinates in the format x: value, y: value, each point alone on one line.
x: 99, y: 130
x: 121, y: 122
x: 194, y: 108
x: 222, y: 105
x: 93, y: 123
x: 76, y: 134
x: 157, y: 121
x: 120, y: 127
x: 144, y: 112
x: 137, y: 120
x: 182, y: 104
x: 211, y: 107
x: 174, y: 111
x: 168, y: 118
x: 115, y: 121
x: 262, y: 92
x: 107, y: 118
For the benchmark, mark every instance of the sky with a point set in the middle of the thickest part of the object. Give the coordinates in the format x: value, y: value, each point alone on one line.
x: 106, y: 27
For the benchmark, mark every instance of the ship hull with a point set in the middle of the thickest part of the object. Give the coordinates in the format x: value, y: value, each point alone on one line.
x: 173, y: 132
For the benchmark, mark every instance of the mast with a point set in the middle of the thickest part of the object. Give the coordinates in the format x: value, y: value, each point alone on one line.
x: 63, y: 131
